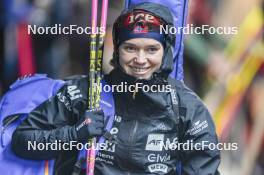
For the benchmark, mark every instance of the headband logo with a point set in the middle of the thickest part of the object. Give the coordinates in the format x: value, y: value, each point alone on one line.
x: 141, y: 22
x: 140, y: 17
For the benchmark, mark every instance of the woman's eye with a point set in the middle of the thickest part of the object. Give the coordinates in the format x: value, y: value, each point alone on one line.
x: 130, y: 49
x: 152, y: 50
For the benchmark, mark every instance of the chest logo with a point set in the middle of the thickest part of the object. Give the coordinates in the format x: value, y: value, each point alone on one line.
x: 155, y: 142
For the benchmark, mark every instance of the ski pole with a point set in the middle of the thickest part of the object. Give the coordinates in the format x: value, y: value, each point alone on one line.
x: 97, y: 69
x: 92, y: 69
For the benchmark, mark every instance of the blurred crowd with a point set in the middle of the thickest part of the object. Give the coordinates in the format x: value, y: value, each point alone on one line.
x: 56, y: 55
x: 227, y: 71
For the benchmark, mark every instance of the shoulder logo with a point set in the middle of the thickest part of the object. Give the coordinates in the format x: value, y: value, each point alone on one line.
x: 74, y: 92
x: 64, y: 100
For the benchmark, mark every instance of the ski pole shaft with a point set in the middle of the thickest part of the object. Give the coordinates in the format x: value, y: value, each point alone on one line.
x: 91, y: 154
x: 92, y: 69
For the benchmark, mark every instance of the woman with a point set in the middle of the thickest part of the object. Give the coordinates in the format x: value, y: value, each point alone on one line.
x: 145, y: 125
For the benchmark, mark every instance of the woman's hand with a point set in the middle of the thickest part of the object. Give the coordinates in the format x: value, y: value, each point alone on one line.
x: 91, y: 125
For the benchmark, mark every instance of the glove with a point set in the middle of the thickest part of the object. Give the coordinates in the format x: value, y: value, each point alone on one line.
x: 91, y: 125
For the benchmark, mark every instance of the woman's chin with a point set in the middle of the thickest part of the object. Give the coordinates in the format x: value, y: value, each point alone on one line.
x: 145, y: 75
x: 139, y: 76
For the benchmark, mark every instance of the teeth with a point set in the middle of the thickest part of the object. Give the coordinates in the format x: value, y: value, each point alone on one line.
x: 139, y: 69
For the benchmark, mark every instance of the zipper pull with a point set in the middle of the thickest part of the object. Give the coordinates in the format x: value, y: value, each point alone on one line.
x: 136, y: 89
x: 134, y: 94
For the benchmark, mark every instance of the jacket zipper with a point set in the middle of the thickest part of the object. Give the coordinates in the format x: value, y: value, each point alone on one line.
x: 133, y: 135
x: 133, y: 132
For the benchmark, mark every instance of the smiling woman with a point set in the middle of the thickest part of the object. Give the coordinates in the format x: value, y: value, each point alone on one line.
x: 147, y: 111
x: 140, y: 57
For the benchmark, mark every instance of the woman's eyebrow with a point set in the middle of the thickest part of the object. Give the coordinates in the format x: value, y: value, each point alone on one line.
x: 153, y: 45
x: 131, y: 44
x: 135, y: 45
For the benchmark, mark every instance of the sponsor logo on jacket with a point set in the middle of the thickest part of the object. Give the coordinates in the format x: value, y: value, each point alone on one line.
x: 158, y: 168
x: 154, y: 142
x: 62, y: 98
x: 158, y: 158
x: 157, y: 142
x: 74, y: 92
x: 197, y: 127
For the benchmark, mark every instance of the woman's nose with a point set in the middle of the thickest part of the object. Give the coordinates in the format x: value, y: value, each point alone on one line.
x: 140, y: 58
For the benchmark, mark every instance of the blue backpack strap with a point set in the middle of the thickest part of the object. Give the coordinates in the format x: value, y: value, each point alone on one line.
x: 24, y: 95
x: 179, y: 9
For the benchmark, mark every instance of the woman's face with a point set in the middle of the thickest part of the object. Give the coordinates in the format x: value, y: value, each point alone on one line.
x: 140, y: 57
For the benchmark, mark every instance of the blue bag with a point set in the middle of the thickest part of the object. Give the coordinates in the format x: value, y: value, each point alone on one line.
x: 24, y: 96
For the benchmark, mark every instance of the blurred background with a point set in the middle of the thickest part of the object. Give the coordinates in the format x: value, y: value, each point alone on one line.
x: 226, y: 71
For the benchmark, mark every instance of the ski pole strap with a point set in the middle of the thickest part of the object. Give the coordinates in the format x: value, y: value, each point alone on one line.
x: 81, y: 161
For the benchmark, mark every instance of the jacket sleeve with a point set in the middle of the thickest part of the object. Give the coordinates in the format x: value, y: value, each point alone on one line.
x: 52, y: 121
x: 199, y: 131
